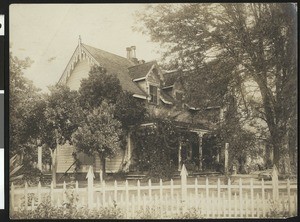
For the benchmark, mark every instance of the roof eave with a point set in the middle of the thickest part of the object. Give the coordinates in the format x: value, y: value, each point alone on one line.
x: 139, y: 96
x: 139, y: 79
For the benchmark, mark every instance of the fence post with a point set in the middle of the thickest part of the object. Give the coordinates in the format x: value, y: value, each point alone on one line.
x: 51, y: 193
x: 160, y: 196
x: 241, y: 197
x: 76, y: 187
x: 206, y: 196
x: 289, y: 196
x: 183, y: 175
x: 39, y: 192
x: 126, y: 196
x: 150, y: 191
x: 196, y: 189
x: 64, y: 192
x: 12, y: 197
x: 275, y: 184
x: 103, y: 193
x: 263, y: 196
x: 219, y: 196
x: 90, y: 177
x: 138, y: 194
x: 115, y: 191
x: 229, y: 197
x: 252, y: 197
x: 26, y: 195
x: 172, y: 190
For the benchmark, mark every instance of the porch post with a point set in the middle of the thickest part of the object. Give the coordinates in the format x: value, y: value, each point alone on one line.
x: 226, y: 158
x: 40, y: 151
x: 129, y: 145
x: 179, y: 157
x: 200, y: 135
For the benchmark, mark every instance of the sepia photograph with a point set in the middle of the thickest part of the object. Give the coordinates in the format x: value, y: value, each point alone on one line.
x: 153, y: 111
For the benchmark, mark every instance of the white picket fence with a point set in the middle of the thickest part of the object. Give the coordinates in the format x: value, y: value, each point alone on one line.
x: 254, y: 199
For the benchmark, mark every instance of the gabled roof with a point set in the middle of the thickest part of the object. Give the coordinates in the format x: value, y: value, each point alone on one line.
x: 170, y: 78
x: 115, y: 64
x: 141, y: 70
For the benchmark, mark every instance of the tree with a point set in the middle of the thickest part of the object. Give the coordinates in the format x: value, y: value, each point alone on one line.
x: 99, y: 86
x: 257, y: 39
x: 156, y: 148
x: 99, y: 134
x: 22, y: 94
x: 129, y: 111
x: 62, y: 116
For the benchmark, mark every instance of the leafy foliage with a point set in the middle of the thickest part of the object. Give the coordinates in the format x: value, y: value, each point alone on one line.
x: 99, y: 86
x: 99, y: 133
x: 25, y: 118
x: 62, y: 116
x: 254, y: 43
x: 156, y: 148
x: 69, y: 210
x: 22, y: 97
x: 129, y: 111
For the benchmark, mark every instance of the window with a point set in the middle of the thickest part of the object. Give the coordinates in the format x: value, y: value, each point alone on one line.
x: 153, y: 94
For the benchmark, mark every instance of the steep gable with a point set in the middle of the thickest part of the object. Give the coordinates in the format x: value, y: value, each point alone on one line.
x: 114, y: 64
x: 141, y: 70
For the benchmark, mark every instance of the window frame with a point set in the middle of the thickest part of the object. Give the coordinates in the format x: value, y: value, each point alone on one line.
x: 152, y: 95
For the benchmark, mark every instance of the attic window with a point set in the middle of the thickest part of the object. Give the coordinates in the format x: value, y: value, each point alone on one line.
x: 153, y: 94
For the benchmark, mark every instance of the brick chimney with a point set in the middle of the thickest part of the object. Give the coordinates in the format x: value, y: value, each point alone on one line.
x: 131, y: 54
x: 133, y: 48
x: 128, y: 49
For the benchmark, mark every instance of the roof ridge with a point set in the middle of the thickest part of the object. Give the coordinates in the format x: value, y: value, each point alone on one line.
x: 105, y: 51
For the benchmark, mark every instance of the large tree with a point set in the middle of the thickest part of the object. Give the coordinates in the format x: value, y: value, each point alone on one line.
x: 62, y: 116
x: 99, y: 134
x: 22, y: 95
x: 257, y: 40
x: 98, y: 86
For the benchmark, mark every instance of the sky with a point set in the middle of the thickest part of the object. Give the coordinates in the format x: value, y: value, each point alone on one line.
x: 48, y: 35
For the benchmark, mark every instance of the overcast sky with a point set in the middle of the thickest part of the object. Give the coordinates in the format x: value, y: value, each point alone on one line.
x: 48, y: 34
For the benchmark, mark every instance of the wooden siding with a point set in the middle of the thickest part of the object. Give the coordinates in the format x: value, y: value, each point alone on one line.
x: 80, y: 71
x: 113, y: 165
x: 65, y: 158
x: 142, y: 84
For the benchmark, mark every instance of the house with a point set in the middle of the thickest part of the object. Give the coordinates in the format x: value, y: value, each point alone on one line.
x: 161, y: 91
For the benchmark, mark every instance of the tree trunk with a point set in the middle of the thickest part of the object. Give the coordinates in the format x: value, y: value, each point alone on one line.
x: 54, y: 165
x: 103, y: 166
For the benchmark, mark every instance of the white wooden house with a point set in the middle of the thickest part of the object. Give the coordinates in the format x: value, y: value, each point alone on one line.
x: 161, y: 91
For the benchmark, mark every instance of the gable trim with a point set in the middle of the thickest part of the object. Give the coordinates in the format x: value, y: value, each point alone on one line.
x: 165, y: 101
x: 79, y: 53
x: 139, y: 79
x: 139, y: 96
x: 167, y: 87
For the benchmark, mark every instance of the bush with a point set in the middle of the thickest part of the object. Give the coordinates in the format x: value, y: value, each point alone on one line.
x: 68, y: 210
x: 275, y: 212
x: 191, y: 213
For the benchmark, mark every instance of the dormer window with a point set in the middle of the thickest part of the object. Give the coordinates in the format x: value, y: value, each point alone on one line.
x: 153, y: 94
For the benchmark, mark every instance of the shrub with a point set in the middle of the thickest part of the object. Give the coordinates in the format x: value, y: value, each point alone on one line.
x: 191, y: 213
x: 68, y: 210
x: 276, y: 212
